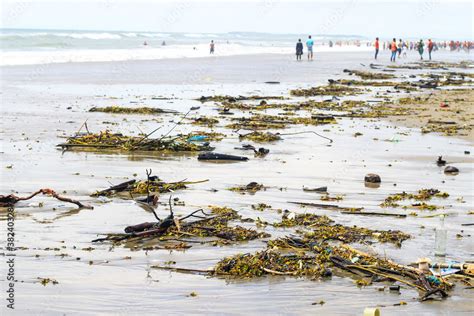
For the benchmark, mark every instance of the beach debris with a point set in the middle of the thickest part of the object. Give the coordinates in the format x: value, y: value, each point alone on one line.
x: 328, y: 206
x: 324, y: 229
x: 139, y: 187
x: 370, y: 311
x: 366, y: 75
x: 206, y: 121
x: 451, y: 170
x: 127, y: 110
x: 332, y: 89
x: 12, y: 199
x: 318, y: 190
x: 217, y: 156
x: 117, y: 141
x: 260, y: 137
x: 260, y: 152
x: 372, y: 178
x: 213, y: 224
x: 203, y: 136
x: 422, y: 195
x: 440, y: 162
x: 251, y: 187
x: 226, y: 98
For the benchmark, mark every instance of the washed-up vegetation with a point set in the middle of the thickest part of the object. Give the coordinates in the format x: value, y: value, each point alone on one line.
x: 260, y: 137
x: 214, y: 224
x: 333, y: 90
x: 367, y: 75
x: 434, y: 65
x: 227, y: 98
x: 127, y: 110
x: 109, y: 140
x: 323, y: 229
x: 321, y: 261
x: 263, y: 121
x: 422, y: 195
x: 252, y: 187
x: 140, y: 187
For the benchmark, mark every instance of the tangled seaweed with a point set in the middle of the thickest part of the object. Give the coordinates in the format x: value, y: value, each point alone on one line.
x: 124, y: 110
x: 140, y: 187
x: 109, y: 140
x: 252, y: 187
x: 421, y: 195
x: 334, y: 90
x: 260, y: 137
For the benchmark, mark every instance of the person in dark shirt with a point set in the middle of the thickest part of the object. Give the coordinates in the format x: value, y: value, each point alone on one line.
x: 299, y: 49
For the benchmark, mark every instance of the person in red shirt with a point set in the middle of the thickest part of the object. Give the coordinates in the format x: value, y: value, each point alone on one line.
x: 394, y: 49
x: 377, y: 46
x: 430, y: 47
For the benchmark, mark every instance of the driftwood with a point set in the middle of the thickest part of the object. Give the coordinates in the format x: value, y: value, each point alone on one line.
x: 328, y: 206
x: 10, y: 200
x: 375, y: 214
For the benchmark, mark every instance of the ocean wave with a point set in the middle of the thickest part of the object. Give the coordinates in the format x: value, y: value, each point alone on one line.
x: 200, y: 35
x: 94, y: 36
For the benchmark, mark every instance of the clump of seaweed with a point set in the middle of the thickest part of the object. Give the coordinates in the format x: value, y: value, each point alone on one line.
x: 445, y: 129
x: 334, y: 90
x: 227, y: 98
x: 139, y: 187
x: 261, y: 207
x: 205, y: 121
x: 117, y: 141
x: 307, y: 219
x: 268, y: 262
x: 421, y: 195
x: 323, y: 228
x: 260, y: 137
x: 366, y: 75
x: 125, y: 110
x: 353, y: 234
x: 260, y: 121
x: 252, y: 187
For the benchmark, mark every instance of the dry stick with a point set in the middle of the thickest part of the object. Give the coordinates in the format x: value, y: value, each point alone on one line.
x: 387, y: 276
x: 83, y: 124
x: 176, y: 124
x: 48, y: 192
x: 184, y: 270
x: 192, y: 214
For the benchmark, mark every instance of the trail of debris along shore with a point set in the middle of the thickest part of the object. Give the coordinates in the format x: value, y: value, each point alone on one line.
x: 109, y: 140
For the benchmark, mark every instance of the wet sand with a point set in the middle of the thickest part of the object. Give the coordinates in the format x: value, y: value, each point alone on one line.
x: 459, y: 110
x: 41, y: 105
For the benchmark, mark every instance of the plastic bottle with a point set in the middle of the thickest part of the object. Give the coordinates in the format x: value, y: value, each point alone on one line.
x: 441, y: 236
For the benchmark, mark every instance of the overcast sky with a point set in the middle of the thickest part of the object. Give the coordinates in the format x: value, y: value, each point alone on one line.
x: 409, y: 18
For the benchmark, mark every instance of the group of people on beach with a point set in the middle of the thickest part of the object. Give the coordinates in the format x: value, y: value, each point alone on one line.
x: 309, y: 46
x: 397, y: 48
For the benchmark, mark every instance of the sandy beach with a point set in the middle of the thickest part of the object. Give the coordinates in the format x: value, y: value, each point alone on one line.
x: 43, y: 105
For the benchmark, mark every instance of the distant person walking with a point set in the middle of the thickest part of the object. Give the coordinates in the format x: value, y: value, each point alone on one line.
x: 377, y: 46
x: 430, y: 47
x: 211, y: 51
x: 421, y: 46
x: 393, y: 49
x: 400, y: 47
x: 309, y: 45
x: 299, y: 49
